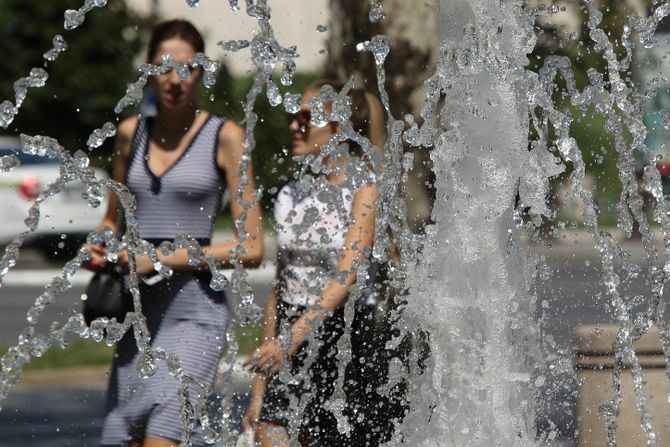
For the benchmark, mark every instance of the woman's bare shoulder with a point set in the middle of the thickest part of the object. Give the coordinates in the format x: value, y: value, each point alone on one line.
x: 231, y: 145
x: 124, y: 134
x: 126, y: 128
x: 231, y: 135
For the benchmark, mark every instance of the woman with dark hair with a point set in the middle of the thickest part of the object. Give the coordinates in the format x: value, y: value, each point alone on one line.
x: 178, y: 165
x: 325, y: 228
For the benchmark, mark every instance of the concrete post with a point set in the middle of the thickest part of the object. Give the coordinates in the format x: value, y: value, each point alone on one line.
x: 594, y: 363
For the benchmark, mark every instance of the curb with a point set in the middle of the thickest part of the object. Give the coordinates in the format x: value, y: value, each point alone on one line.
x: 97, y: 376
x: 23, y: 277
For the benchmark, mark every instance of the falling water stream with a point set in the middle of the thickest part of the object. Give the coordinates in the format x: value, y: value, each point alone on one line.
x: 469, y: 277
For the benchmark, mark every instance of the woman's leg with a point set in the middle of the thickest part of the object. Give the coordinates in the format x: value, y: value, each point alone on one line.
x: 151, y: 441
x: 271, y: 435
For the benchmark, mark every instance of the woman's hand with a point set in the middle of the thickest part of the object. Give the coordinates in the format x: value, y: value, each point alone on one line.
x: 267, y: 359
x: 144, y: 264
x: 98, y: 259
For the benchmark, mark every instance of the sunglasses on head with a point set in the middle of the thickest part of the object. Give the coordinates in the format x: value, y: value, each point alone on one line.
x: 303, y: 117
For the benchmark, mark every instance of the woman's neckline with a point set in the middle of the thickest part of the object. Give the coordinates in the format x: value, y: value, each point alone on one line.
x: 183, y: 153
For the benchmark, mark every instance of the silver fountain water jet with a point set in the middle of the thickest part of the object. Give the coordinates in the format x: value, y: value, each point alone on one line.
x: 473, y: 282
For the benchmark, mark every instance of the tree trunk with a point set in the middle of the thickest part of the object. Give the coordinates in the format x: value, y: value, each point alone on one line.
x: 412, y: 28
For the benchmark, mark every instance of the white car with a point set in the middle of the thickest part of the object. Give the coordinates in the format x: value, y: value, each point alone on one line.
x: 65, y: 219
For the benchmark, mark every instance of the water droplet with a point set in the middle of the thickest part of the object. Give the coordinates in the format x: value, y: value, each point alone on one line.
x: 379, y: 46
x: 288, y: 71
x: 9, y: 162
x: 292, y: 102
x: 81, y: 160
x: 98, y: 136
x: 219, y: 282
x: 273, y: 94
x: 146, y: 365
x: 7, y: 113
x: 233, y: 45
x: 73, y: 19
x: 376, y: 11
x: 59, y: 45
x: 39, y: 345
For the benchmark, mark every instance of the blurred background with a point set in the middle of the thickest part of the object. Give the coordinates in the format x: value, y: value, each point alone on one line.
x: 87, y: 80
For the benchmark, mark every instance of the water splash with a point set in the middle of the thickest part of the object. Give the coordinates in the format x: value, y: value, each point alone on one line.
x: 376, y: 11
x: 471, y: 362
x: 9, y: 162
x: 98, y: 136
x: 59, y: 45
x: 74, y: 18
x: 234, y: 45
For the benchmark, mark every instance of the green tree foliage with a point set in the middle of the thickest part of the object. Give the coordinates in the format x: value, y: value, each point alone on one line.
x: 85, y: 82
x: 588, y: 128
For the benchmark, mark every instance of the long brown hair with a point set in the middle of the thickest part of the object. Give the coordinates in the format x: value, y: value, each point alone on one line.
x: 182, y: 29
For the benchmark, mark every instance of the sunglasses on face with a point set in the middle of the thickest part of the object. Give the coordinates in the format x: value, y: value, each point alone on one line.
x: 303, y: 117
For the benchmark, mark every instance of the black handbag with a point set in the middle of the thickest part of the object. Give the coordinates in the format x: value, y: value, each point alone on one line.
x: 107, y: 296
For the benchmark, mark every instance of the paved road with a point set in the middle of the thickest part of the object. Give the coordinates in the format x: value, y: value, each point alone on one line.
x: 570, y: 294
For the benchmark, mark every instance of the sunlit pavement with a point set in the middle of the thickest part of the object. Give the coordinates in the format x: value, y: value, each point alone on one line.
x: 70, y: 413
x: 61, y: 411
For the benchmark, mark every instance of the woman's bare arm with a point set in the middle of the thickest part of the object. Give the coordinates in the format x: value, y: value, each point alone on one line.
x: 268, y: 333
x: 269, y: 325
x: 122, y: 143
x: 357, y: 241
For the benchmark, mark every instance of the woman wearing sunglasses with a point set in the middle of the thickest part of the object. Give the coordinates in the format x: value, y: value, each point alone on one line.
x: 325, y: 228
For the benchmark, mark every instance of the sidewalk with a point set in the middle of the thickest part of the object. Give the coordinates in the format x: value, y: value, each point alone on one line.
x: 80, y: 375
x: 66, y: 408
x: 581, y: 244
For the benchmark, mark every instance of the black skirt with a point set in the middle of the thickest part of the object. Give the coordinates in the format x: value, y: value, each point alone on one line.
x: 372, y: 413
x: 285, y: 395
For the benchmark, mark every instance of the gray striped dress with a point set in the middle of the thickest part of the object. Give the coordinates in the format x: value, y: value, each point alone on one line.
x: 185, y: 316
